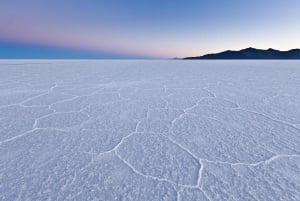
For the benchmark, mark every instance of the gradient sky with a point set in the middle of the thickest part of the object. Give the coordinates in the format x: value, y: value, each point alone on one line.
x: 144, y: 28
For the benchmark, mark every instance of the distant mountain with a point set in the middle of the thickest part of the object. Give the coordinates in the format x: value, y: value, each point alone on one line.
x: 252, y: 53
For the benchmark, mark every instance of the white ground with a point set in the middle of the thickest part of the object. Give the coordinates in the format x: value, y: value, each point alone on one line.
x: 150, y: 130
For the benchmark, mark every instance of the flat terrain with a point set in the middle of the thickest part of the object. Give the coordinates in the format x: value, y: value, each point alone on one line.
x: 150, y: 130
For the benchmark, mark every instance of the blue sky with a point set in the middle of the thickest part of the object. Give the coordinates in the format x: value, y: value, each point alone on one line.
x: 144, y: 29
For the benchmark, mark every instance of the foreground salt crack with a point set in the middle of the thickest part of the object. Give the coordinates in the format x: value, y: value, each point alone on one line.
x: 149, y: 130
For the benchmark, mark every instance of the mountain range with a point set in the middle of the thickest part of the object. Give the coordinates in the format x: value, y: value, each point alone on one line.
x: 252, y: 53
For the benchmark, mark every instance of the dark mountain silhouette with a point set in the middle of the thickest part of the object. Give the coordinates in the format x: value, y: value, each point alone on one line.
x: 252, y: 53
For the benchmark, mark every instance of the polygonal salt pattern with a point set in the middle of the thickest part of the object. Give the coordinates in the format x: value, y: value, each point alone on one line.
x: 149, y: 130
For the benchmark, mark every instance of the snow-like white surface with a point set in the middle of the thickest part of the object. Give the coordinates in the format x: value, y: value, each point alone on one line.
x: 150, y: 130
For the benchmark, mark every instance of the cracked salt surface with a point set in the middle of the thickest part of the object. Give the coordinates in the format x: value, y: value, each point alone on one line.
x: 149, y: 130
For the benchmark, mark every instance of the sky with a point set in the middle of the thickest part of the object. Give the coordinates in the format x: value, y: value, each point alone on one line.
x: 116, y: 29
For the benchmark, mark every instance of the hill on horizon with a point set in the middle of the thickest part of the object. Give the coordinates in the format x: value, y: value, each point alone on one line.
x: 252, y: 53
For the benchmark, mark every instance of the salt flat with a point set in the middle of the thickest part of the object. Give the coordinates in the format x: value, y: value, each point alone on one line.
x: 149, y: 130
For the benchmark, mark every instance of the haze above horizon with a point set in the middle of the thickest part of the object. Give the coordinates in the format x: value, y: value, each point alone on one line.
x: 144, y: 29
